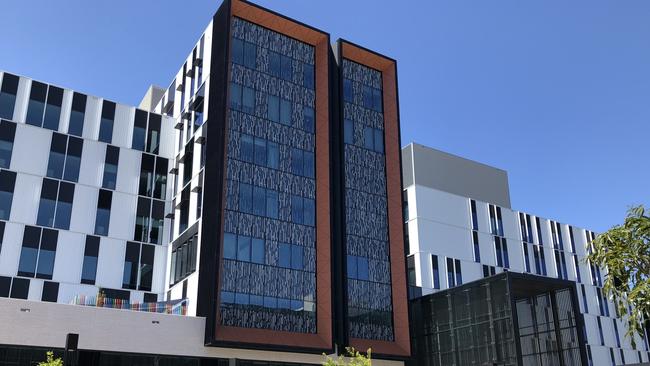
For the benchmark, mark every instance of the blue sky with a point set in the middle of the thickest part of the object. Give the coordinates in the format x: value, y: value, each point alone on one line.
x: 555, y: 92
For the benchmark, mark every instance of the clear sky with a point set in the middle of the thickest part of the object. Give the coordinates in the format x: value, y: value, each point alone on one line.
x: 555, y: 92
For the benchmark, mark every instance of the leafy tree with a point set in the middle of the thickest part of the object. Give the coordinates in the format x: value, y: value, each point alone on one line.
x: 354, y: 358
x: 51, y: 361
x: 625, y: 251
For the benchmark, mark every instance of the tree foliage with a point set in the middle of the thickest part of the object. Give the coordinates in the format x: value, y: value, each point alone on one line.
x: 352, y: 358
x: 51, y: 361
x: 624, y: 250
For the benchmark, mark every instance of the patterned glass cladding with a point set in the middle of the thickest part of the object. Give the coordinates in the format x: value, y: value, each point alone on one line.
x: 269, y: 276
x: 366, y: 215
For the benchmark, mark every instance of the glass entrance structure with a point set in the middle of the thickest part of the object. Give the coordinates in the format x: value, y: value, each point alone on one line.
x: 506, y: 319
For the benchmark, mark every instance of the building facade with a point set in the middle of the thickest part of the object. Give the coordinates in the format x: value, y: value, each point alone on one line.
x: 460, y: 228
x: 258, y: 194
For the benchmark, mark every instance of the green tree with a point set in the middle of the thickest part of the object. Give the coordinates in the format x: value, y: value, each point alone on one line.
x: 51, y: 361
x: 624, y: 250
x: 353, y: 358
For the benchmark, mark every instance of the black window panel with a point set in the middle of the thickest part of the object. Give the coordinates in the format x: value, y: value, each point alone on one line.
x: 108, y: 110
x: 38, y: 92
x: 8, y: 96
x: 104, y: 199
x: 116, y: 294
x: 92, y: 246
x: 153, y: 133
x: 7, y: 181
x: 160, y: 184
x: 49, y: 189
x: 2, y: 233
x: 131, y: 259
x: 49, y: 239
x: 53, y: 108
x: 141, y: 232
x: 146, y: 267
x: 10, y: 83
x: 31, y: 236
x: 20, y: 288
x: 7, y: 135
x: 55, y: 96
x: 5, y: 285
x: 59, y: 142
x: 139, y: 130
x: 50, y: 291
x: 146, y: 175
x: 106, y: 122
x: 66, y: 192
x: 36, y: 106
x: 112, y: 154
x: 57, y: 156
x: 149, y: 298
x: 188, y: 161
x: 75, y: 146
x: 77, y: 114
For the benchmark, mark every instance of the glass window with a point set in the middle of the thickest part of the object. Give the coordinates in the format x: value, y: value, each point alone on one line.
x: 227, y: 297
x: 247, y: 148
x: 410, y: 270
x: 296, y: 161
x: 146, y: 267
x: 248, y: 100
x: 103, y: 215
x: 7, y: 135
x: 57, y: 156
x: 362, y: 268
x: 368, y: 138
x: 139, y: 130
x: 229, y: 246
x: 308, y: 115
x: 367, y: 96
x: 287, y: 69
x: 273, y: 108
x: 73, y: 159
x: 284, y: 255
x: 237, y: 49
x: 272, y: 204
x: 250, y: 55
x: 47, y: 203
x: 296, y: 257
x: 188, y: 162
x: 379, y: 140
x: 260, y: 151
x: 451, y: 280
x: 46, y: 256
x: 50, y: 291
x: 89, y: 268
x: 275, y: 64
x: 376, y: 100
x: 7, y: 183
x: 309, y: 212
x: 8, y: 93
x: 185, y: 209
x: 285, y: 112
x: 235, y: 96
x: 257, y: 251
x: 352, y: 266
x: 157, y: 221
x: 36, y: 106
x: 110, y: 167
x: 259, y: 201
x: 348, y: 94
x: 245, y: 198
x: 77, y: 114
x: 29, y: 251
x: 273, y: 155
x: 243, y: 248
x: 146, y: 175
x: 106, y: 122
x: 64, y: 206
x: 143, y: 212
x: 153, y: 133
x: 436, y: 274
x: 308, y: 76
x: 160, y: 183
x: 308, y: 164
x: 53, y: 108
x: 131, y: 259
x: 459, y: 273
x: 296, y: 209
x: 348, y: 130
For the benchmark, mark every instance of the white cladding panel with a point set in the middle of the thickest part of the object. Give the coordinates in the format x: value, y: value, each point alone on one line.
x: 31, y: 150
x: 27, y: 191
x: 122, y: 222
x: 22, y: 99
x: 11, y: 246
x: 91, y: 171
x: 84, y: 209
x: 69, y: 257
x: 110, y: 263
x: 91, y: 117
x: 128, y: 171
x: 123, y: 125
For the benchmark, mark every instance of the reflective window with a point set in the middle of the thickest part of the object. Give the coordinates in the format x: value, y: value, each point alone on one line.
x: 143, y: 213
x: 103, y: 215
x: 146, y: 175
x: 183, y: 261
x: 36, y: 105
x: 235, y: 96
x: 139, y: 130
x: 8, y: 92
x: 367, y: 96
x: 55, y: 207
x: 146, y: 267
x: 275, y: 64
x: 247, y: 149
x: 29, y: 251
x: 7, y: 135
x: 348, y: 94
x: 257, y: 251
x: 435, y: 272
x: 259, y: 201
x: 53, y: 108
x: 106, y: 122
x: 160, y: 183
x: 273, y: 155
x: 47, y: 205
x: 50, y: 291
x: 285, y: 112
x: 91, y: 253
x: 287, y: 68
x: 57, y: 156
x: 272, y: 204
x: 7, y: 183
x: 229, y: 246
x: 77, y: 114
x: 237, y: 50
x: 157, y: 221
x: 131, y: 260
x: 260, y: 151
x: 73, y: 159
x: 308, y: 116
x: 377, y: 103
x: 244, y: 248
x: 250, y: 55
x: 348, y: 130
x: 46, y: 255
x: 273, y: 108
x: 64, y: 206
x: 111, y: 160
x: 153, y: 133
x: 284, y: 255
x: 248, y: 100
x: 308, y: 76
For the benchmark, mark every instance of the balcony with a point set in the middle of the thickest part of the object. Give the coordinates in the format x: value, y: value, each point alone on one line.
x: 173, y: 307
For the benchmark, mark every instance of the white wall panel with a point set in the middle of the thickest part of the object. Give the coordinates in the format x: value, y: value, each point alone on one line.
x: 31, y: 150
x: 159, y: 269
x: 35, y: 290
x: 123, y: 210
x: 84, y: 209
x: 442, y: 207
x: 123, y: 125
x: 92, y: 163
x: 66, y: 107
x: 167, y: 140
x: 110, y: 263
x: 22, y: 99
x: 445, y: 240
x: 67, y: 291
x: 24, y: 207
x: 128, y: 171
x: 69, y: 257
x: 11, y: 246
x: 91, y: 117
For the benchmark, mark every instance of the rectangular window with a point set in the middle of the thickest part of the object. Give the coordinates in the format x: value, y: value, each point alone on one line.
x: 275, y: 64
x: 245, y: 198
x: 55, y: 207
x: 146, y: 175
x: 577, y: 267
x: 459, y: 274
x: 524, y: 246
x: 540, y: 240
x: 77, y: 114
x: 286, y: 109
x: 237, y: 51
x: 308, y: 119
x: 157, y: 221
x: 7, y: 135
x: 474, y: 215
x: 618, y: 337
x: 160, y: 179
x: 184, y: 209
x: 8, y: 92
x: 573, y: 242
x: 501, y: 250
x: 183, y: 262
x: 89, y: 267
x: 273, y: 155
x: 273, y: 108
x: 272, y: 204
x: 250, y: 55
x: 435, y: 271
x: 244, y: 248
x: 287, y: 68
x: 600, y: 332
x: 36, y: 105
x: 65, y: 157
x: 139, y: 130
x: 259, y: 201
x: 248, y: 100
x: 257, y: 251
x: 7, y: 183
x: 53, y: 108
x: 111, y: 161
x: 50, y: 291
x: 143, y: 213
x: 348, y: 130
x: 260, y: 151
x: 410, y: 268
x: 131, y: 260
x: 20, y: 288
x: 247, y: 152
x: 308, y: 76
x: 477, y: 251
x: 451, y: 278
x: 235, y: 96
x: 146, y: 267
x: 348, y: 93
x: 153, y: 133
x: 367, y: 96
x: 106, y: 122
x: 584, y: 299
x: 284, y: 259
x: 103, y: 215
x: 56, y: 160
x: 38, y: 252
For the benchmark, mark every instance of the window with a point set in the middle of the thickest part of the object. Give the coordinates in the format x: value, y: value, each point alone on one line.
x: 540, y: 241
x: 302, y: 210
x: 308, y: 76
x: 472, y: 205
x: 111, y: 161
x: 103, y: 215
x: 237, y: 51
x: 89, y: 267
x: 286, y: 109
x: 488, y: 271
x: 55, y: 206
x: 367, y: 96
x: 459, y: 275
x: 573, y: 242
x: 65, y: 157
x: 183, y: 261
x: 5, y: 286
x: 53, y: 108
x: 358, y: 268
x: 454, y: 277
x: 577, y: 267
x: 584, y: 299
x: 308, y: 119
x: 435, y: 271
x: 501, y: 250
x: 160, y: 179
x: 600, y: 332
x: 273, y: 108
x: 7, y: 135
x: 8, y: 92
x: 235, y: 96
x: 50, y: 291
x: 524, y: 246
x: 38, y: 252
x: 146, y: 267
x: 410, y: 270
x: 377, y: 104
x: 373, y: 139
x: 77, y: 114
x: 287, y: 68
x: 139, y: 130
x: 7, y: 183
x: 36, y: 104
x: 243, y: 248
x: 348, y: 94
x: 131, y: 262
x: 302, y: 163
x: 248, y: 100
x: 348, y: 132
x: 143, y: 213
x: 618, y: 337
x: 477, y: 251
x: 229, y: 246
x: 250, y: 55
x: 275, y: 64
x: 273, y: 155
x: 272, y: 204
x: 146, y: 175
x: 106, y: 122
x: 20, y: 288
x: 153, y: 133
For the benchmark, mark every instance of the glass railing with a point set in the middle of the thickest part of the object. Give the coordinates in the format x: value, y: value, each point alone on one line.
x: 174, y: 307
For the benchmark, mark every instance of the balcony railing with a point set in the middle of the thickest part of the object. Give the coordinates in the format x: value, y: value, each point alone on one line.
x: 174, y: 307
